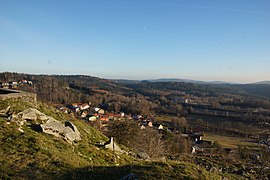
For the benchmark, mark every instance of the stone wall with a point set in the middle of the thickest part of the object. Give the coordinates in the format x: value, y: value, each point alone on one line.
x: 17, y: 95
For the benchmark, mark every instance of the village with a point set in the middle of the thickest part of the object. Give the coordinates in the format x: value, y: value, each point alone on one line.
x: 100, y: 118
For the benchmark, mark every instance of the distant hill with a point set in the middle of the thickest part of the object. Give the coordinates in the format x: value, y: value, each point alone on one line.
x: 256, y: 89
x: 70, y: 88
x: 175, y: 80
x: 262, y: 82
x: 187, y: 81
x: 126, y: 81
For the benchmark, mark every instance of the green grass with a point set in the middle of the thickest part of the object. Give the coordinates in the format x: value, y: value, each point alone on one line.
x: 230, y: 142
x: 147, y: 170
x: 40, y: 153
x: 165, y: 118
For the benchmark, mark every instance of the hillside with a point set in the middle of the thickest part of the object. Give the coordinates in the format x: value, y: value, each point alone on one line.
x: 27, y: 154
x: 27, y: 151
x: 34, y: 154
x: 260, y: 89
x: 70, y: 88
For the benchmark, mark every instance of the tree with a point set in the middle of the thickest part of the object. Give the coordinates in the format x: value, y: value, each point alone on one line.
x: 129, y: 134
x: 124, y: 132
x: 179, y: 123
x: 151, y: 143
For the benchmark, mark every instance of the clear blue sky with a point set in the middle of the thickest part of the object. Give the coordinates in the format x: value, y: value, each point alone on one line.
x: 137, y: 39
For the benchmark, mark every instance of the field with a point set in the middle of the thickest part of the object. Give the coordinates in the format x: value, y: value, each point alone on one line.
x: 230, y: 142
x: 164, y: 118
x: 211, y: 119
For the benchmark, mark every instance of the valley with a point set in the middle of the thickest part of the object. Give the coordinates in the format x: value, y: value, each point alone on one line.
x: 221, y: 128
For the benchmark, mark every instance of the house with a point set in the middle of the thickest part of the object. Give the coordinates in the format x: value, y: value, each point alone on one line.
x: 84, y: 106
x: 104, y: 117
x: 13, y: 84
x: 137, y: 117
x: 84, y: 114
x: 64, y: 109
x: 122, y: 114
x: 92, y: 118
x: 5, y: 85
x: 30, y: 83
x: 111, y: 116
x: 101, y: 111
x: 24, y: 81
x: 189, y: 101
x: 76, y: 105
x: 117, y: 116
x: 201, y: 145
x: 195, y: 137
x: 181, y: 100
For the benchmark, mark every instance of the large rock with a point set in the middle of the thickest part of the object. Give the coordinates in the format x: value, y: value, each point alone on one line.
x: 5, y: 112
x: 49, y: 125
x: 31, y: 114
x: 143, y: 155
x: 70, y: 133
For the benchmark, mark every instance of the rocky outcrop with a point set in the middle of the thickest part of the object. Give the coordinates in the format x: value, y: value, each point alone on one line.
x: 143, y: 155
x: 47, y: 124
x: 69, y: 132
x: 32, y: 114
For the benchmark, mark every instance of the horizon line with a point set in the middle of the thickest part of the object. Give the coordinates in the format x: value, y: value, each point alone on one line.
x: 142, y: 79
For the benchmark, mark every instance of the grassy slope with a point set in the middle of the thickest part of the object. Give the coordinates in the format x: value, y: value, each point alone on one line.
x: 31, y: 155
x: 36, y: 154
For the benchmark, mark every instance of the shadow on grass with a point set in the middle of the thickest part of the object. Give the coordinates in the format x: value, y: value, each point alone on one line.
x: 107, y: 172
x: 145, y: 170
x: 95, y: 172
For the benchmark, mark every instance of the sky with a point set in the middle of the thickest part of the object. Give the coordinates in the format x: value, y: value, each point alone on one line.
x: 225, y: 40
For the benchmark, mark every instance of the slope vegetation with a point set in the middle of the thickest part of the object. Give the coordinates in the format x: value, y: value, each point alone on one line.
x: 29, y: 154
